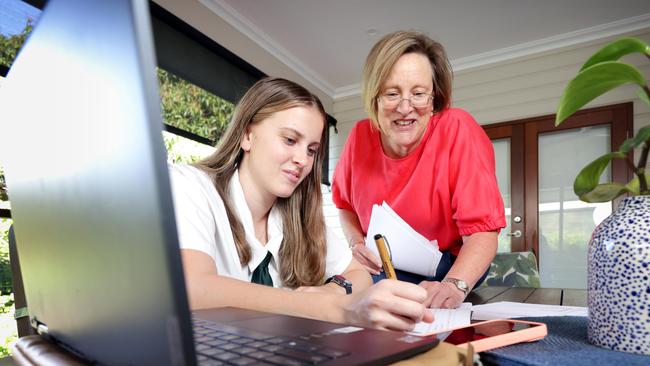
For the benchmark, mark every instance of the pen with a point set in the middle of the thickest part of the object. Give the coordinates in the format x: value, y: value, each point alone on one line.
x: 385, y: 257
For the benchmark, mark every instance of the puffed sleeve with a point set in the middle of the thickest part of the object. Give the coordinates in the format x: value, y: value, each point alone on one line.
x: 341, y: 181
x: 476, y: 204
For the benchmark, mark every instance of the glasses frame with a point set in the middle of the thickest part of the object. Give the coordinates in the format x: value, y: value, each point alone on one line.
x: 382, y: 102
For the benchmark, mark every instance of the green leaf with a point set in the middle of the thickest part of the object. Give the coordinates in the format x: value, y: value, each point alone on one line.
x: 589, y: 176
x: 616, y: 50
x: 524, y: 268
x: 521, y: 281
x: 604, y: 192
x: 634, y: 187
x: 504, y: 263
x: 592, y: 82
x: 640, y: 138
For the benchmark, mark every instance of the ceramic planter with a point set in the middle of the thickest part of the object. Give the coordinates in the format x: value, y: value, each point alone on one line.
x: 619, y: 279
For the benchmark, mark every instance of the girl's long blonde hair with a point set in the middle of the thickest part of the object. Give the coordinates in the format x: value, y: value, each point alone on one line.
x: 304, y: 248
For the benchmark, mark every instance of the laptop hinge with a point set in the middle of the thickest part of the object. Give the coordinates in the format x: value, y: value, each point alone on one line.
x: 41, y: 328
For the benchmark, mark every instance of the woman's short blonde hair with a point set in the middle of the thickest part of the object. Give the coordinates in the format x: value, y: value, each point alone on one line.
x: 387, y: 51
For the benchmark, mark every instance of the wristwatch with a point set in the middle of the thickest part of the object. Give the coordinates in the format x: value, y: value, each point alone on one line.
x: 341, y: 281
x: 460, y: 284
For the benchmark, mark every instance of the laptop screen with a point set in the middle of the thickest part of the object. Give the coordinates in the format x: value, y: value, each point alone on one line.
x: 86, y: 171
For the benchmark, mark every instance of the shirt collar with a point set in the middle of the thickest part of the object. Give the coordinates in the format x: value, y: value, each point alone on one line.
x: 274, y: 226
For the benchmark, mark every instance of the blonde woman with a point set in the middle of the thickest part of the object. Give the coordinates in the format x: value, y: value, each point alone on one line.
x: 251, y: 226
x: 431, y: 163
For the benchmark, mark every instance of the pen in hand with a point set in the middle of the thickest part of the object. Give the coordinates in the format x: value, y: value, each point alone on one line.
x: 385, y: 257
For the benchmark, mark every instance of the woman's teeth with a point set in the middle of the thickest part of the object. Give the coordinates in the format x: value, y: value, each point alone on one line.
x: 404, y: 122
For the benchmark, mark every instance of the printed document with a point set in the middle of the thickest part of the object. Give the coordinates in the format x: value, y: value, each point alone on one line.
x: 409, y: 250
x: 509, y: 310
x: 445, y: 319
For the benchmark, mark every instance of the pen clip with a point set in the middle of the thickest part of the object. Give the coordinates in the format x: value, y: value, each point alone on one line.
x: 390, y: 253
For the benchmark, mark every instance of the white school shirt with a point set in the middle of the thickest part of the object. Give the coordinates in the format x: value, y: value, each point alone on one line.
x: 203, y: 225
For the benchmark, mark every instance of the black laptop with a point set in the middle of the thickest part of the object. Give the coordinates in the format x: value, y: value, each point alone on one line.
x: 94, y: 219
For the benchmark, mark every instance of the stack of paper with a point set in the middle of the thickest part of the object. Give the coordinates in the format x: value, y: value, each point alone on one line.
x: 507, y: 310
x: 409, y: 250
x: 445, y: 319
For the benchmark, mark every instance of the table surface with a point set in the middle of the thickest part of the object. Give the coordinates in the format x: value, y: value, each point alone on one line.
x: 546, y: 296
x: 488, y: 294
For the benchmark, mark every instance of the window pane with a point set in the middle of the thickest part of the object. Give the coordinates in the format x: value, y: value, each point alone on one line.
x: 565, y: 222
x: 183, y: 150
x: 16, y: 21
x: 8, y: 332
x: 4, y: 196
x: 5, y: 269
x: 190, y: 108
x: 502, y: 160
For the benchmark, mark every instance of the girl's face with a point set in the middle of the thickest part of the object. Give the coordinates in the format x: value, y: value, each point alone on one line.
x: 279, y: 151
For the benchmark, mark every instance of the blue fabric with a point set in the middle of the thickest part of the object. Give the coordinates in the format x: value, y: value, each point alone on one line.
x: 565, y: 344
x: 446, y: 261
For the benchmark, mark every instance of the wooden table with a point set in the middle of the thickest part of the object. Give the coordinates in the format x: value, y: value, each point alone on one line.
x: 488, y: 294
x: 547, y: 296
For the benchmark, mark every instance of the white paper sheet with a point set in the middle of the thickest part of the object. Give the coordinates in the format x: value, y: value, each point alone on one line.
x: 445, y: 319
x: 508, y: 310
x: 410, y: 251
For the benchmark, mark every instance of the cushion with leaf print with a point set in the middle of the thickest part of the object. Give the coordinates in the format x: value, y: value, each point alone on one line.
x: 517, y: 269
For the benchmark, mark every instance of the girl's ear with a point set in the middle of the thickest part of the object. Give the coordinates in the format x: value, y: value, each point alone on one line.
x: 246, y: 141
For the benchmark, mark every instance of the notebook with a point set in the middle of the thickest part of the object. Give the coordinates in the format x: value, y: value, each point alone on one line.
x: 93, y: 214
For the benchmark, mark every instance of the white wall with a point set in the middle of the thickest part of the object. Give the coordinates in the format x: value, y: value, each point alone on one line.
x: 515, y: 89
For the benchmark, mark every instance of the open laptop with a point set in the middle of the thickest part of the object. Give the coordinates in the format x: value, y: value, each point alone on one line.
x: 93, y: 213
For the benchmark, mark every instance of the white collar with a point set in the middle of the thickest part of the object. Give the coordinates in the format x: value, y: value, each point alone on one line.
x: 273, y: 230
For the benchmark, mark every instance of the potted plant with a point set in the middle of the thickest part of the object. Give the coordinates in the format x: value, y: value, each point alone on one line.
x: 619, y: 249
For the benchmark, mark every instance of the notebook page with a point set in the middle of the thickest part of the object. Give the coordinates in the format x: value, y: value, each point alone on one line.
x: 445, y: 319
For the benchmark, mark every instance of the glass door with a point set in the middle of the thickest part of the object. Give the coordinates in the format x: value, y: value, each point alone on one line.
x: 565, y: 222
x: 536, y: 164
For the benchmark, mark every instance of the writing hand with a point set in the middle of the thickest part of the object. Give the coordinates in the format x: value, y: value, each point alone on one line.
x: 442, y: 295
x: 388, y: 305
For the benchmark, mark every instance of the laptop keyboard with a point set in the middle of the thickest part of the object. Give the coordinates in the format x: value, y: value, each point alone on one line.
x: 221, y: 344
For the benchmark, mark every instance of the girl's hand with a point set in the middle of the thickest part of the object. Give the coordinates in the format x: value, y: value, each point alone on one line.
x: 387, y: 305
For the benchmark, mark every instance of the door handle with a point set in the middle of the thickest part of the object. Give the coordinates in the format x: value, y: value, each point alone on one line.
x: 516, y: 234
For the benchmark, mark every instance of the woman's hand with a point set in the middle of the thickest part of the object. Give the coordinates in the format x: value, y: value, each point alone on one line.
x: 366, y: 258
x: 352, y: 229
x: 387, y: 305
x: 442, y: 295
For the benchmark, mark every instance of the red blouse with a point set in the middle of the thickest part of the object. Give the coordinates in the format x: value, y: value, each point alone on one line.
x: 446, y: 188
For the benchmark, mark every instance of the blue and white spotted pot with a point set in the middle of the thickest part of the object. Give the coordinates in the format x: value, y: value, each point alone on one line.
x: 619, y: 279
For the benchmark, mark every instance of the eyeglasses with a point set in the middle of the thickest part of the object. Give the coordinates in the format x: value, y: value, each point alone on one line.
x: 417, y: 100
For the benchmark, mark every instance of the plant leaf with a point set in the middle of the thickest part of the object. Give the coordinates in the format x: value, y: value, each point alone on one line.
x: 640, y: 138
x: 589, y: 176
x: 592, y: 82
x: 633, y: 186
x: 604, y: 192
x: 616, y: 50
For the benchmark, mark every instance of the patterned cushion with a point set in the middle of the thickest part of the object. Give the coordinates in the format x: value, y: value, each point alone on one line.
x: 518, y: 269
